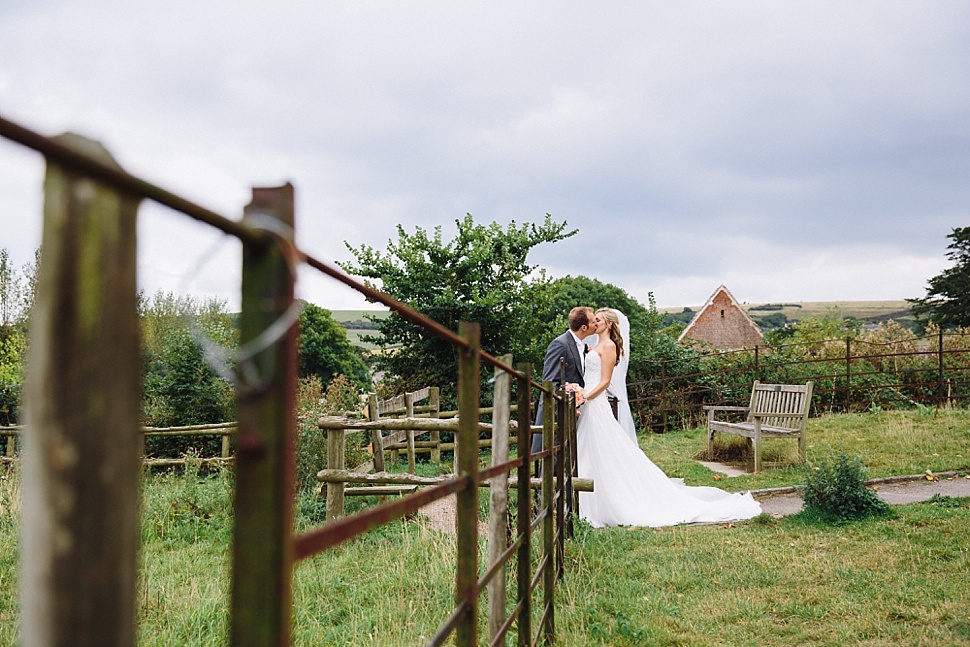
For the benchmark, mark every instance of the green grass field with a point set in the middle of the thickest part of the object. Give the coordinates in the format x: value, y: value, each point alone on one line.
x: 794, y: 311
x: 793, y: 581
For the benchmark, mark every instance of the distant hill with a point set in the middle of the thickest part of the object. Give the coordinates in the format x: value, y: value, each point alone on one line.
x: 356, y: 324
x: 865, y: 311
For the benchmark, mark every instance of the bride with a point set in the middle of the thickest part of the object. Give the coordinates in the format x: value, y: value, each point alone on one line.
x: 629, y: 489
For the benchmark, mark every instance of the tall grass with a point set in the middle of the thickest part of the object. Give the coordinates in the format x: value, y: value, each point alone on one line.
x: 766, y: 582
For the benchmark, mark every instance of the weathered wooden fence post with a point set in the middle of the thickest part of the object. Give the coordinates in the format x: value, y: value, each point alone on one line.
x: 336, y: 460
x: 560, y: 469
x: 466, y: 464
x: 265, y: 446
x: 523, y: 516
x: 409, y: 413
x: 81, y: 458
x: 376, y: 440
x: 434, y: 401
x: 499, y: 497
x: 548, y: 523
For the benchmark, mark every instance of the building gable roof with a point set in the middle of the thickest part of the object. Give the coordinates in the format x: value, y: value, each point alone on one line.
x: 710, y: 304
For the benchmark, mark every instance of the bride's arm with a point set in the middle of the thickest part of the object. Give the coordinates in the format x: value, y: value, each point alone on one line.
x: 608, y: 360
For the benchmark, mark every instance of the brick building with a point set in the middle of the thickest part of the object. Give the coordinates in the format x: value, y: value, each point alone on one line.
x: 723, y: 324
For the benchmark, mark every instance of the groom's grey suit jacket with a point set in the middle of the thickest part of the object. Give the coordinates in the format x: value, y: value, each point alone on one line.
x: 561, y: 347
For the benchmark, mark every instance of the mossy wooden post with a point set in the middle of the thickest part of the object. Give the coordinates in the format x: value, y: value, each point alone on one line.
x: 572, y: 496
x: 548, y: 524
x: 336, y: 451
x: 560, y: 468
x: 466, y: 464
x: 376, y: 440
x: 498, y: 505
x: 262, y: 559
x: 524, y: 512
x: 434, y: 401
x: 409, y: 414
x: 225, y: 444
x: 81, y: 462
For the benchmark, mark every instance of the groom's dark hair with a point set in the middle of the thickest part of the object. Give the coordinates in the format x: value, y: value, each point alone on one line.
x: 579, y: 317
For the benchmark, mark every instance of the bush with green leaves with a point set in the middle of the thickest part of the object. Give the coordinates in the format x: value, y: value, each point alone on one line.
x: 314, y: 401
x: 325, y: 350
x: 180, y: 386
x: 836, y: 491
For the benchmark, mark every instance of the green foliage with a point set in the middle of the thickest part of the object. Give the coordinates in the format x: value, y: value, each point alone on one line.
x: 341, y: 396
x: 482, y: 275
x: 836, y: 490
x: 16, y: 299
x: 947, y: 300
x: 325, y: 350
x: 13, y: 350
x: 180, y: 386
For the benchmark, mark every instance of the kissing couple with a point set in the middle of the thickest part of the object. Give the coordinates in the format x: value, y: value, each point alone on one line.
x: 629, y: 490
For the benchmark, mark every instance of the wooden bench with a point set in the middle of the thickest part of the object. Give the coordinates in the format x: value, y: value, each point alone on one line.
x: 776, y: 411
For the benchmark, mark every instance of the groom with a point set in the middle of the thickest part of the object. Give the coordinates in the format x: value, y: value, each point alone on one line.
x: 571, y: 347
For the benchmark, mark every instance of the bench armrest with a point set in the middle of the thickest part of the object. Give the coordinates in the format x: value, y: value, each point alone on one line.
x: 724, y: 408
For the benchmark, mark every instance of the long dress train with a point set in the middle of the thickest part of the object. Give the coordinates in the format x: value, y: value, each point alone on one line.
x: 629, y: 489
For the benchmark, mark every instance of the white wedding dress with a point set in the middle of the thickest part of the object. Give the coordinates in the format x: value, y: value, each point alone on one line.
x: 629, y: 490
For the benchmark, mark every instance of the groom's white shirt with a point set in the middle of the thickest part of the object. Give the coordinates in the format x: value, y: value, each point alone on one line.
x: 579, y: 347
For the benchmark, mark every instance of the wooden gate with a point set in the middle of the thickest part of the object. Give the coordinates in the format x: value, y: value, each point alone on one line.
x: 80, y: 526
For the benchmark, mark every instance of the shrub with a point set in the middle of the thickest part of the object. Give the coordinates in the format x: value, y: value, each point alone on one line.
x: 837, y: 491
x: 339, y: 397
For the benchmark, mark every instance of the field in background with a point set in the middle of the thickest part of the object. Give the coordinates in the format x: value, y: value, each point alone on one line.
x: 871, y: 311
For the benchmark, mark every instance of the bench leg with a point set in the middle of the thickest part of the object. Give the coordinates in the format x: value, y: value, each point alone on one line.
x: 756, y: 441
x: 710, y: 444
x: 801, y: 447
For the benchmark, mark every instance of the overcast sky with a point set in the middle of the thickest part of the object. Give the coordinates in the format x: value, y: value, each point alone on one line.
x: 793, y: 151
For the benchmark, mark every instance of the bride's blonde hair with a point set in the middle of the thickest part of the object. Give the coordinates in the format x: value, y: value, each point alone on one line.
x: 615, y: 335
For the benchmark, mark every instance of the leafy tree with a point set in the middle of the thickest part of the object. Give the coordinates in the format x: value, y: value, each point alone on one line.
x: 558, y: 297
x: 325, y: 350
x: 481, y: 275
x: 16, y: 299
x: 947, y: 300
x: 180, y: 386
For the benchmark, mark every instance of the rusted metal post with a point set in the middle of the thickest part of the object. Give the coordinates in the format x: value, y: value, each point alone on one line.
x: 262, y: 559
x: 81, y: 457
x: 663, y: 392
x: 548, y: 524
x: 523, y: 518
x: 757, y: 368
x: 498, y: 505
x: 940, y: 392
x: 466, y: 464
x: 848, y: 374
